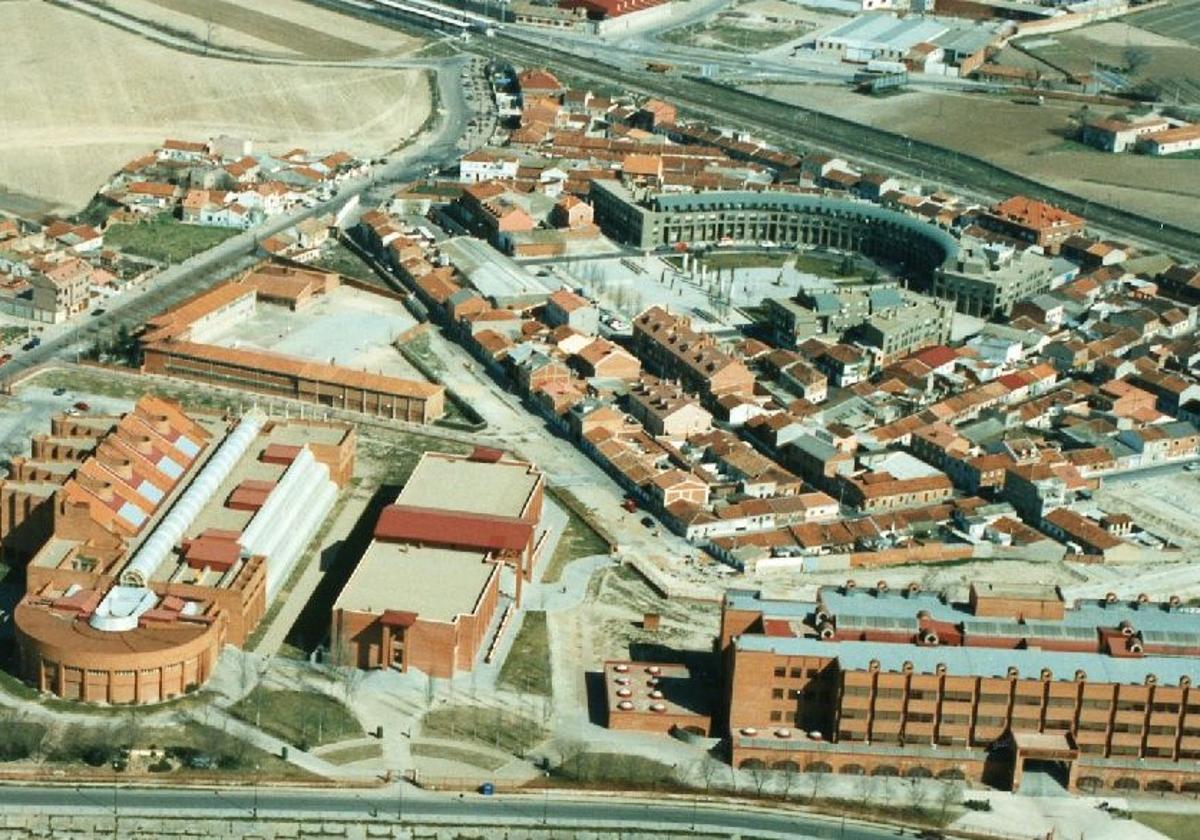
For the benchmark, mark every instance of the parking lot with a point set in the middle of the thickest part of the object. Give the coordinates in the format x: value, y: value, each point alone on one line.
x: 1164, y: 504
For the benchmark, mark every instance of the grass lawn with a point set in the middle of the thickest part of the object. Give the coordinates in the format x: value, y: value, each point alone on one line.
x: 483, y: 761
x: 341, y: 259
x: 495, y: 728
x: 349, y: 755
x: 1175, y: 826
x: 132, y: 385
x: 745, y: 39
x: 579, y: 539
x: 97, y: 746
x: 304, y: 719
x: 393, y: 457
x: 527, y: 667
x: 744, y: 259
x: 825, y: 266
x: 165, y: 239
x: 612, y: 768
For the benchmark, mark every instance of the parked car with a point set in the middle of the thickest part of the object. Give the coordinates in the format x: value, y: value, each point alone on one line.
x: 82, y: 406
x: 648, y: 521
x: 58, y: 392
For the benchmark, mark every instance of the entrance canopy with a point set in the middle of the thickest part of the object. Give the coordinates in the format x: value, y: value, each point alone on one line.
x: 1044, y: 746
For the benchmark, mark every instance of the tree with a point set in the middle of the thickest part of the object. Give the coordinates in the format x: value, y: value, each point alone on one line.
x: 709, y: 767
x: 948, y: 795
x: 1135, y: 58
x: 846, y: 266
x: 816, y: 781
x: 759, y: 775
x: 918, y: 793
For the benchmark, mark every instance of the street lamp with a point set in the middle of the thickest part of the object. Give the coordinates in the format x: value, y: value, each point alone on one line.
x: 254, y: 810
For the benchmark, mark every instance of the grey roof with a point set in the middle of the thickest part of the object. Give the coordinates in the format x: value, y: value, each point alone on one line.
x: 815, y: 447
x: 805, y: 203
x: 980, y: 661
x: 826, y: 302
x: 885, y: 299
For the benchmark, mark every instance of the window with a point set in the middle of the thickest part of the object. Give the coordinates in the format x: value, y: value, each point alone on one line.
x: 777, y: 694
x: 920, y: 717
x: 776, y: 716
x: 797, y: 673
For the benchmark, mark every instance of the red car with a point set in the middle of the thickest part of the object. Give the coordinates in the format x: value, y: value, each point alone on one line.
x: 82, y: 406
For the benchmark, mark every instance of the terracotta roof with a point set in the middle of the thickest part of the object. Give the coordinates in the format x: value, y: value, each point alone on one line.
x: 409, y: 523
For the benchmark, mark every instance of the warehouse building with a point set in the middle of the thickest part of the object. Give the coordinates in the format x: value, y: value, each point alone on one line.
x: 1097, y: 694
x: 446, y: 566
x: 168, y: 537
x: 942, y: 46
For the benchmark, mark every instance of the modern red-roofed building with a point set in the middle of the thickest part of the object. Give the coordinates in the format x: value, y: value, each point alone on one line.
x: 1032, y: 221
x: 462, y: 536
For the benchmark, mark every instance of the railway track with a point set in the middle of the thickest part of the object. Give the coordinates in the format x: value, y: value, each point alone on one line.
x: 801, y: 129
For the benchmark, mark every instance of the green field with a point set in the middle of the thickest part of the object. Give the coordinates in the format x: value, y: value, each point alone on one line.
x: 341, y: 259
x: 495, y: 728
x: 304, y: 719
x: 579, y: 539
x: 1175, y: 826
x: 165, y: 239
x: 1180, y: 20
x: 527, y: 667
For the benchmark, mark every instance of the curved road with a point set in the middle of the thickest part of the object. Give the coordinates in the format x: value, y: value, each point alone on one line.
x: 437, y: 146
x: 610, y: 813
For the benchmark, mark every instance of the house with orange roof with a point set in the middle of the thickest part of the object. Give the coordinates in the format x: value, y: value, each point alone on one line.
x: 1029, y: 220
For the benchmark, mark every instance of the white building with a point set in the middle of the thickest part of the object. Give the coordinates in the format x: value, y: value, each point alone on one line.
x: 1172, y: 141
x: 482, y: 165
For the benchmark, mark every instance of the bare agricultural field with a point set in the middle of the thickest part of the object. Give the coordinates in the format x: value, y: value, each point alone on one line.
x: 1030, y: 139
x: 1167, y: 62
x: 82, y: 98
x: 1177, y: 20
x: 289, y: 28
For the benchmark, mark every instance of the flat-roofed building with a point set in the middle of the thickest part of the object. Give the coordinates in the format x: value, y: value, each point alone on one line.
x: 426, y: 591
x: 909, y: 683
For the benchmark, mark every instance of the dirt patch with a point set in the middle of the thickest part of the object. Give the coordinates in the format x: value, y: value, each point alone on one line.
x: 268, y: 27
x: 1029, y: 139
x: 82, y: 98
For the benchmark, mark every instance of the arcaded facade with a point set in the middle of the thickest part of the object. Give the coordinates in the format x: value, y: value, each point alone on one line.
x: 909, y: 683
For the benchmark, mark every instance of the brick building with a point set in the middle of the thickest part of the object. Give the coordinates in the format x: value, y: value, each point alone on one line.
x: 1097, y: 693
x: 164, y: 538
x: 457, y: 544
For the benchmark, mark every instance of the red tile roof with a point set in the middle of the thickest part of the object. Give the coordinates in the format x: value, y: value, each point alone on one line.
x: 409, y: 523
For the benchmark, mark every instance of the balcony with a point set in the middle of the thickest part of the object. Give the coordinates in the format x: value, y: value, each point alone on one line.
x: 1164, y: 719
x: 922, y: 707
x: 1161, y: 741
x: 1132, y: 717
x: 1087, y: 736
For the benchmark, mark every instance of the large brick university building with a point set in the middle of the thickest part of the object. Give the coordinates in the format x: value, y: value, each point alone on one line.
x: 153, y: 539
x: 871, y: 681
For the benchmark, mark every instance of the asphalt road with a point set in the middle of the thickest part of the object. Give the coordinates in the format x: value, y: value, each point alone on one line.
x: 609, y: 813
x: 823, y: 132
x: 438, y: 147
